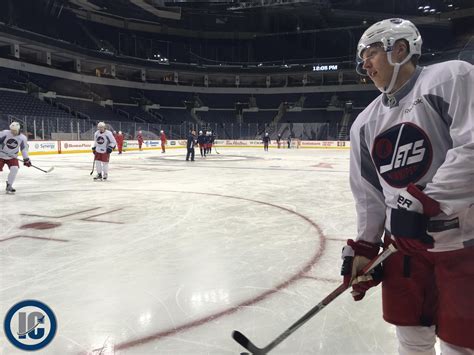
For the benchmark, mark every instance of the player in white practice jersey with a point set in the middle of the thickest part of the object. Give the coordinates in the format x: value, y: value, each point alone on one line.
x: 412, y: 176
x: 104, y: 144
x: 11, y: 142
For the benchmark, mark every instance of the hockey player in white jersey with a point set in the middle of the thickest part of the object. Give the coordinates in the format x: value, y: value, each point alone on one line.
x: 12, y: 142
x: 412, y: 177
x: 104, y: 144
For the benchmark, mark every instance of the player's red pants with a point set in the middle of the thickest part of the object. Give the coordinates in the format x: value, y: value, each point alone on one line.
x: 120, y: 147
x: 9, y: 162
x: 432, y: 288
x: 163, y: 144
x: 103, y: 157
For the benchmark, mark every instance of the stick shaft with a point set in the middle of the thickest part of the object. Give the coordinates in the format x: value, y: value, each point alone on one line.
x: 34, y: 166
x: 44, y: 171
x: 93, y: 166
x: 328, y: 299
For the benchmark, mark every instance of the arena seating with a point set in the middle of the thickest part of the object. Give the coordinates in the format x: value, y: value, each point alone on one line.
x: 19, y: 103
x: 135, y: 113
x: 173, y: 116
x: 223, y: 100
x: 11, y: 79
x: 273, y: 101
x: 91, y: 109
x: 218, y: 116
x: 168, y: 98
x: 116, y: 93
x: 259, y: 117
x: 61, y: 86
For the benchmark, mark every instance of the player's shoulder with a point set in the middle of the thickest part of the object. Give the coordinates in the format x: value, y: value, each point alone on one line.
x: 367, y: 113
x: 22, y: 137
x: 446, y: 71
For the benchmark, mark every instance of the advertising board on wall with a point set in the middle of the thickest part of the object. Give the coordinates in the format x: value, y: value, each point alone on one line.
x: 43, y: 147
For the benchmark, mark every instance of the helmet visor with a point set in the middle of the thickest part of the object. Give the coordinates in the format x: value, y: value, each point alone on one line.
x: 364, y: 53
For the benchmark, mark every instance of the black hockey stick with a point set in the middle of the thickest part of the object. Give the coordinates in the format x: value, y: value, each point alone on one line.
x: 247, y: 344
x: 34, y: 166
x: 93, y: 166
x: 216, y: 150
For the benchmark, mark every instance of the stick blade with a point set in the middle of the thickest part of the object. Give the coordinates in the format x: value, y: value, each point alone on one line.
x: 50, y: 169
x: 246, y: 343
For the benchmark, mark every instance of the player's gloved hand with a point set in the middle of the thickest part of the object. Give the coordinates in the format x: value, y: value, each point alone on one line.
x: 93, y: 150
x: 409, y: 222
x: 27, y: 162
x: 355, y: 256
x: 109, y: 150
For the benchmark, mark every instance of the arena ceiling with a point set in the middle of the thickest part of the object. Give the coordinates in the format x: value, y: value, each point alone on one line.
x: 274, y: 16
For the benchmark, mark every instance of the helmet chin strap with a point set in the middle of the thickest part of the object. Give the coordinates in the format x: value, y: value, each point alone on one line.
x: 396, y: 69
x: 389, y: 88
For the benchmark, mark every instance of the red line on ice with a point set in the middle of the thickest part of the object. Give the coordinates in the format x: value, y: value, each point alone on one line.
x: 62, y: 216
x: 88, y: 219
x: 30, y: 237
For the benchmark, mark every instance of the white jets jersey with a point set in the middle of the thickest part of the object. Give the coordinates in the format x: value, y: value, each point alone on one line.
x: 10, y: 145
x: 424, y: 134
x: 102, y: 140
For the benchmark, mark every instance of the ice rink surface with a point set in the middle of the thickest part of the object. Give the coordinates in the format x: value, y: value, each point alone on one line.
x: 169, y: 256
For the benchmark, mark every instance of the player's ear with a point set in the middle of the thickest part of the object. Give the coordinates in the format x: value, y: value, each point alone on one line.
x: 401, y: 50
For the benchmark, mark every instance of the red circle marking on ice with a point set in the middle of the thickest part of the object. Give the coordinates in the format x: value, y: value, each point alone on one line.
x: 292, y: 279
x: 300, y: 274
x: 40, y: 225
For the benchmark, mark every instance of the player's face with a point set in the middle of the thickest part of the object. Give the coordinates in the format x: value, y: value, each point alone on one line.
x: 377, y: 66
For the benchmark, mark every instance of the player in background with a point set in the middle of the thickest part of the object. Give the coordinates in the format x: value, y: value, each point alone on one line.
x: 104, y: 144
x: 12, y: 142
x: 163, y: 141
x: 119, y: 138
x: 278, y: 140
x: 201, y: 139
x: 288, y: 141
x: 412, y: 176
x: 208, y: 142
x: 140, y: 140
x: 212, y: 138
x: 266, y: 141
x: 191, y: 142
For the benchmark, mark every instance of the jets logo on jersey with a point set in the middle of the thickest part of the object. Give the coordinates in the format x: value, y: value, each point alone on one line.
x: 402, y: 154
x: 12, y: 144
x: 100, y: 140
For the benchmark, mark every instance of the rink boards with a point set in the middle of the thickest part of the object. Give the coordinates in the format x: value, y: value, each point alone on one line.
x: 66, y: 147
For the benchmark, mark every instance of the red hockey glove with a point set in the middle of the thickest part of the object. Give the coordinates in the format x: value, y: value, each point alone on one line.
x: 408, y: 223
x: 27, y: 162
x: 355, y: 256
